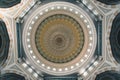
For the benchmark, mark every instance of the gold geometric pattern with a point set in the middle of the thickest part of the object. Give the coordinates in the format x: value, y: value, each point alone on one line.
x: 59, y: 38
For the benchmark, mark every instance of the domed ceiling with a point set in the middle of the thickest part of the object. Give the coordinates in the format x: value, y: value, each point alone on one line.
x: 56, y: 41
x: 60, y: 36
x: 59, y: 40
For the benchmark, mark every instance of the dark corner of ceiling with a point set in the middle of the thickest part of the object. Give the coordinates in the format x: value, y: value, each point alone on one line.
x: 115, y: 38
x: 110, y: 2
x: 108, y: 75
x: 4, y: 42
x: 11, y: 76
x: 19, y: 28
x: 8, y: 3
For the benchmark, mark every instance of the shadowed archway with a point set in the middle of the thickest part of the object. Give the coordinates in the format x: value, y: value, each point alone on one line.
x: 4, y: 43
x: 8, y: 3
x: 110, y: 2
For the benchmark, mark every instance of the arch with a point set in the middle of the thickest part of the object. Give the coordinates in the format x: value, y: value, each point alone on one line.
x: 108, y: 75
x: 11, y: 76
x: 110, y: 2
x: 115, y: 38
x: 4, y: 42
x: 8, y: 3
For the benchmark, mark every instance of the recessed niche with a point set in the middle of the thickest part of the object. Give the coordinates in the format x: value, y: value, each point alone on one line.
x: 118, y: 38
x: 110, y: 2
x: 115, y: 38
x: 11, y: 76
x: 108, y: 75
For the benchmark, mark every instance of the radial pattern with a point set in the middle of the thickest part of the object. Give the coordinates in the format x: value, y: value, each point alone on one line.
x: 59, y: 38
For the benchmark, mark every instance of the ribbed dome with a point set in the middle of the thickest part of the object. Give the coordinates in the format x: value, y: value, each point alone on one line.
x: 59, y: 38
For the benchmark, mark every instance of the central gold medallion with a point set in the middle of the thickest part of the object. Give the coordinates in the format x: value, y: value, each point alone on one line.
x: 59, y: 38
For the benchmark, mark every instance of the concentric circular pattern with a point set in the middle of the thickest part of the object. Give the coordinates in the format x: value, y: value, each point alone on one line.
x: 59, y: 38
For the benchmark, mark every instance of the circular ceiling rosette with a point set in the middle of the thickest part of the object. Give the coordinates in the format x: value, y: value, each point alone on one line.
x: 59, y: 37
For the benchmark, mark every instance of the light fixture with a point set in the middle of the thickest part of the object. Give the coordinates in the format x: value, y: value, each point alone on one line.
x: 86, y: 55
x: 81, y: 16
x: 43, y: 65
x: 76, y: 12
x: 66, y: 69
x: 58, y: 7
x: 52, y: 8
x: 29, y: 46
x: 46, y: 10
x: 28, y: 40
x: 88, y: 50
x: 36, y: 17
x: 91, y: 38
x: 60, y: 69
x: 77, y: 64
x: 38, y: 61
x: 41, y: 13
x: 82, y: 70
x: 90, y: 68
x: 30, y: 27
x: 31, y: 51
x: 85, y: 21
x: 71, y: 9
x: 48, y: 67
x: 85, y: 74
x: 95, y: 63
x: 34, y: 57
x: 81, y: 60
x: 90, y: 44
x: 33, y: 22
x: 90, y: 32
x: 88, y: 26
x: 95, y: 12
x: 90, y: 7
x: 24, y: 65
x: 64, y: 8
x: 28, y: 33
x: 35, y: 75
x: 30, y: 70
x: 84, y: 2
x: 72, y: 67
x: 54, y: 69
